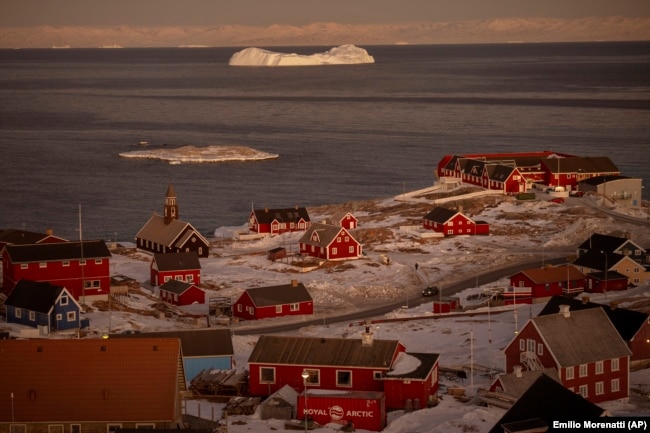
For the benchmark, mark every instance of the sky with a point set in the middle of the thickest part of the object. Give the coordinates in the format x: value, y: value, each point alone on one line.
x: 298, y: 12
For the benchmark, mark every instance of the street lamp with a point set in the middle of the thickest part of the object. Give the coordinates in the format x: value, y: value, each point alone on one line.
x: 305, y: 376
x: 606, y: 269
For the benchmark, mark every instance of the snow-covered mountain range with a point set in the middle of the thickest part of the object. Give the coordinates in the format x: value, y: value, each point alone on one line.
x: 330, y: 34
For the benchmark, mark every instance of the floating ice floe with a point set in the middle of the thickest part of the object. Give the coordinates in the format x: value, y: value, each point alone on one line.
x: 201, y: 154
x: 342, y: 55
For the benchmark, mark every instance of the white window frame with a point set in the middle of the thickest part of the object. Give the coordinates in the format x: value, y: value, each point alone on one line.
x: 582, y: 372
x: 615, y: 385
x: 599, y: 367
x: 569, y: 372
x: 265, y: 381
x: 615, y: 364
x: 344, y: 385
x: 600, y: 388
x: 584, y: 391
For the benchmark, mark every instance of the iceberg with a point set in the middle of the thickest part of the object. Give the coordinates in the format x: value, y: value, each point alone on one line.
x: 342, y: 55
x: 201, y: 154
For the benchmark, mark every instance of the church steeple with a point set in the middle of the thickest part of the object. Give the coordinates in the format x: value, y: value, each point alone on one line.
x: 171, y: 207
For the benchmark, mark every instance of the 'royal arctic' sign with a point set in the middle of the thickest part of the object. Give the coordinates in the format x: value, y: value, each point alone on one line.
x: 366, y: 410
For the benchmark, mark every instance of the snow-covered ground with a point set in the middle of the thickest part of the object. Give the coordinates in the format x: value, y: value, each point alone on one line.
x: 342, y: 55
x: 520, y: 231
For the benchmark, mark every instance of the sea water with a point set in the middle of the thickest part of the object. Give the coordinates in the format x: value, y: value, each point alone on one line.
x: 343, y: 133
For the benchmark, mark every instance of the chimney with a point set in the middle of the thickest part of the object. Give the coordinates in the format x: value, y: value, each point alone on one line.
x: 585, y: 299
x: 613, y: 305
x: 517, y: 370
x: 49, y: 232
x: 294, y: 283
x: 366, y: 337
x: 460, y: 208
x: 266, y: 209
x: 564, y: 310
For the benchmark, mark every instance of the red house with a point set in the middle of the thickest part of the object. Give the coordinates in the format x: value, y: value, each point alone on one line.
x: 179, y: 293
x: 24, y: 237
x: 274, y: 301
x: 409, y: 380
x: 345, y: 364
x: 277, y: 221
x: 81, y: 267
x: 183, y: 266
x: 328, y: 242
x: 168, y: 234
x: 583, y: 346
x: 549, y: 281
x: 345, y: 219
x: 567, y: 172
x: 453, y: 222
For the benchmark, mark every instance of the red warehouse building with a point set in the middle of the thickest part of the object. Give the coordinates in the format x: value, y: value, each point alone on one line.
x: 583, y: 346
x: 362, y: 409
x: 274, y: 301
x: 329, y: 242
x: 81, y: 267
x: 278, y: 221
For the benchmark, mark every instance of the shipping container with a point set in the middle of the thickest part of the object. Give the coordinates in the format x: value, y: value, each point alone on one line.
x: 364, y: 409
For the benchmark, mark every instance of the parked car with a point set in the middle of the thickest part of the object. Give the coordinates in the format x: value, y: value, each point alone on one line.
x: 557, y: 200
x: 577, y: 193
x: 430, y: 291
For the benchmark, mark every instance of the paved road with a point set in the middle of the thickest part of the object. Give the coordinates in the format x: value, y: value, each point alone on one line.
x: 387, y: 308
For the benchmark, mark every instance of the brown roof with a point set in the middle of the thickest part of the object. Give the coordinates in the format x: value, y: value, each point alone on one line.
x: 271, y: 349
x: 552, y: 274
x: 279, y: 295
x: 84, y: 380
x: 177, y: 261
x: 91, y: 249
x: 170, y: 235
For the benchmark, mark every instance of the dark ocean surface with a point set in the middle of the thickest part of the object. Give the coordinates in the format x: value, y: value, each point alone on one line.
x: 343, y: 133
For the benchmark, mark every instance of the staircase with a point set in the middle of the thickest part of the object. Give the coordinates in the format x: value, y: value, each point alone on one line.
x: 530, y: 360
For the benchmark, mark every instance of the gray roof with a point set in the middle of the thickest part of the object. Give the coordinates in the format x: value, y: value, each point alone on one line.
x: 440, y: 215
x: 516, y: 386
x: 169, y: 235
x: 588, y: 164
x: 177, y: 287
x: 583, y: 337
x: 92, y: 249
x: 310, y: 351
x: 177, y: 261
x: 195, y: 343
x: 321, y: 235
x: 279, y: 295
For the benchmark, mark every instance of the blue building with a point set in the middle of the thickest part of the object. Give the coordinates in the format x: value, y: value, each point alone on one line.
x: 41, y: 304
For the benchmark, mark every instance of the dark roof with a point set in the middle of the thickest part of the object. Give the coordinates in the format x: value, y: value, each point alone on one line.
x: 20, y: 237
x: 293, y: 214
x: 177, y: 261
x: 427, y: 362
x: 602, y: 242
x: 93, y: 249
x: 34, y: 296
x: 440, y: 215
x: 322, y: 235
x: 553, y: 274
x: 94, y: 379
x: 277, y: 295
x: 305, y: 351
x: 599, y: 180
x: 586, y: 164
x: 627, y: 322
x: 549, y: 401
x: 177, y: 287
x: 195, y: 343
x: 501, y: 172
x: 594, y: 259
x: 171, y: 235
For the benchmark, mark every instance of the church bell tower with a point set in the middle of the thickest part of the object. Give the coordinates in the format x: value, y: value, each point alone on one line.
x: 171, y: 207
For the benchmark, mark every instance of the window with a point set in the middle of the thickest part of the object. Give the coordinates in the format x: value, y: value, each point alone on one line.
x: 294, y: 307
x: 615, y: 366
x: 334, y: 251
x: 110, y: 428
x: 55, y: 428
x: 75, y: 428
x: 377, y: 375
x: 18, y: 312
x: 239, y: 308
x: 190, y: 278
x: 145, y: 426
x: 42, y: 265
x: 267, y: 375
x: 522, y: 344
x: 599, y: 367
x: 278, y: 309
x: 343, y: 378
x: 72, y: 316
x: 167, y: 278
x: 583, y: 371
x: 24, y: 266
x: 178, y: 278
x: 569, y: 372
x: 347, y: 239
x: 450, y: 232
x: 531, y: 345
x: 65, y: 263
x: 82, y: 263
x: 615, y: 385
x: 583, y: 391
x: 59, y: 317
x: 351, y: 250
x: 540, y: 349
x: 64, y: 300
x: 32, y: 316
x: 314, y: 377
x: 338, y: 239
x: 451, y: 224
x: 600, y: 388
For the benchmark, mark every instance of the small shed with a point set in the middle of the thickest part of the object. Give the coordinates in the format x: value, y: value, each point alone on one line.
x: 179, y: 293
x: 447, y: 304
x: 276, y: 254
x: 281, y: 404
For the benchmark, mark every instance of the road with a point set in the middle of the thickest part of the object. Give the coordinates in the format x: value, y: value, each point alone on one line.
x: 412, y: 302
